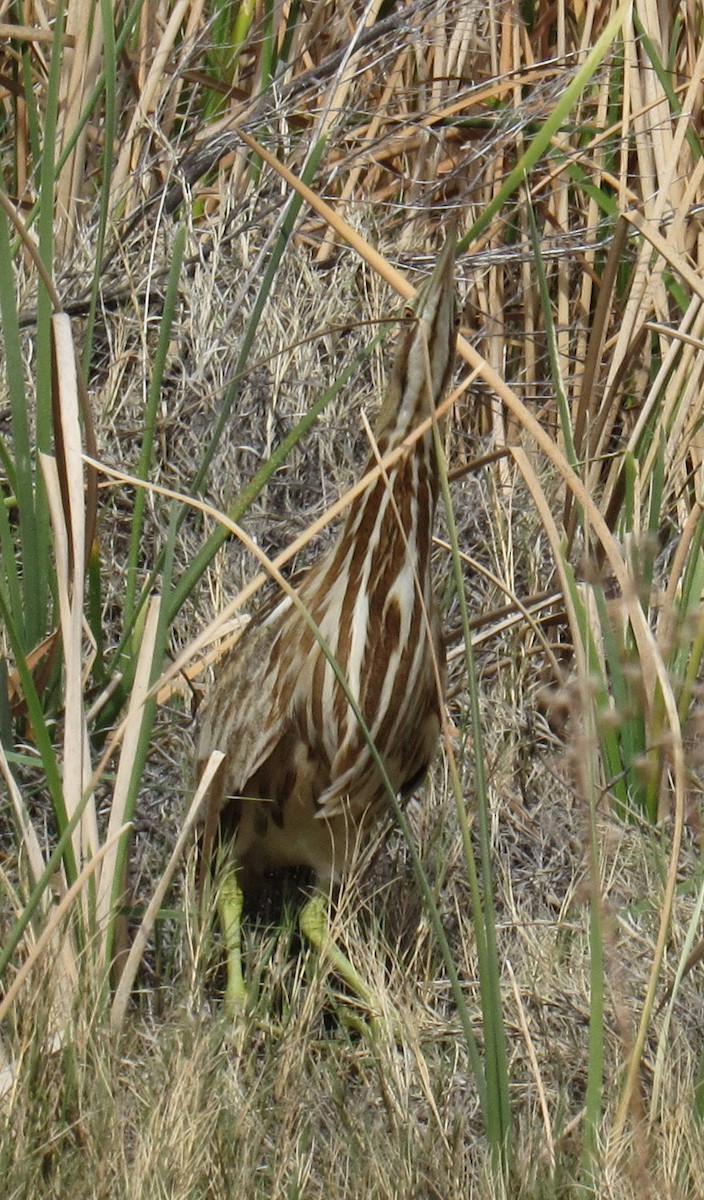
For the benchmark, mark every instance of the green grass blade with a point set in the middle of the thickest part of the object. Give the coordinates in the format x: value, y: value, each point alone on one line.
x: 147, y: 449
x: 291, y: 22
x: 664, y: 75
x: 123, y: 37
x: 497, y: 1113
x: 563, y: 407
x: 268, y: 58
x: 109, y: 76
x: 21, y: 598
x: 595, y: 1067
x: 40, y: 549
x: 41, y: 732
x: 595, y: 700
x: 550, y: 127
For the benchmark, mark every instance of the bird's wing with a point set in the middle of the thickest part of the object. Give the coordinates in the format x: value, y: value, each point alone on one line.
x: 352, y: 790
x: 247, y: 711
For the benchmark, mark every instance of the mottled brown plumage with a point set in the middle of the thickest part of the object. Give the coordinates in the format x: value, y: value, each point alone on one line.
x: 299, y: 784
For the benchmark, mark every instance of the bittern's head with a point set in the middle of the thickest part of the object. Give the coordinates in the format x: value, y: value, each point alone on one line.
x: 426, y: 353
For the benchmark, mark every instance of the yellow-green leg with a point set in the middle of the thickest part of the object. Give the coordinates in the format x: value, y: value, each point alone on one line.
x: 315, y: 926
x: 230, y: 905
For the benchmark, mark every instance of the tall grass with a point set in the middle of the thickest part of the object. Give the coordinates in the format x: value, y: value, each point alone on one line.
x: 149, y: 147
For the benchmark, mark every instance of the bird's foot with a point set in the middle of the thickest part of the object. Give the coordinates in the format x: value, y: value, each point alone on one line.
x: 314, y: 924
x: 230, y: 905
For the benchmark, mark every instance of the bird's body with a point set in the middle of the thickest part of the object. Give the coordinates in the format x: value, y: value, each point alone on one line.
x: 300, y: 768
x: 299, y: 784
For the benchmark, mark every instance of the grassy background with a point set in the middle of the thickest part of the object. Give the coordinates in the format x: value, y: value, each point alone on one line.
x: 208, y: 319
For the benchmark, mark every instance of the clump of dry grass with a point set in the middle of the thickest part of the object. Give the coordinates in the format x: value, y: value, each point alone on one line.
x: 397, y: 120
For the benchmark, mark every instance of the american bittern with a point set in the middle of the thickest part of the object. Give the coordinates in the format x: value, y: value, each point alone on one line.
x: 299, y: 783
